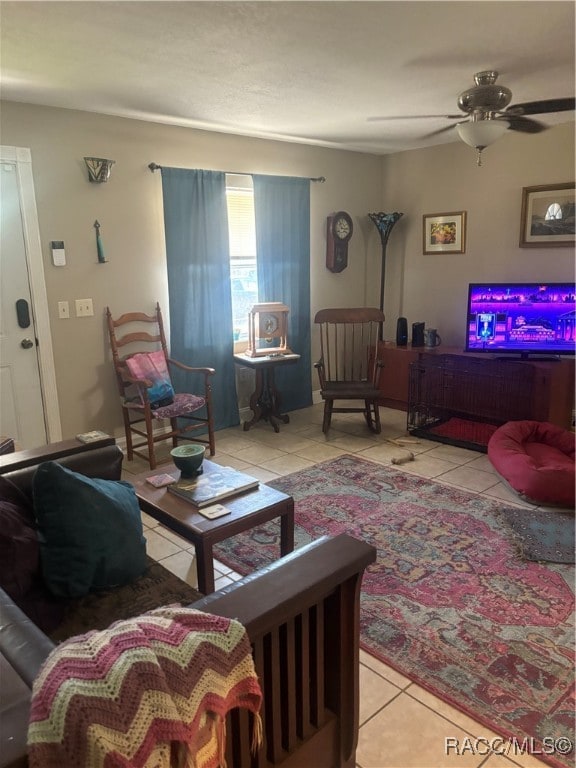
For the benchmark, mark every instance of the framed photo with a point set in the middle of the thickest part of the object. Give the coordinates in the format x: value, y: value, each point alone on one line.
x: 547, y: 216
x: 444, y: 232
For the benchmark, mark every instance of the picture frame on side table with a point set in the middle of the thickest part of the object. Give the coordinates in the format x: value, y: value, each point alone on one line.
x: 444, y: 232
x: 547, y: 218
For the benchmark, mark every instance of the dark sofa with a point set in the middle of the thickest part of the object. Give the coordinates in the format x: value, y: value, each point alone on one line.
x: 301, y: 614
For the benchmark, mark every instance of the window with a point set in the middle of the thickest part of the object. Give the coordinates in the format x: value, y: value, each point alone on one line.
x: 242, y: 235
x: 554, y: 212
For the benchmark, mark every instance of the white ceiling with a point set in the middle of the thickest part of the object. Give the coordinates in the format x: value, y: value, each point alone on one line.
x: 311, y: 72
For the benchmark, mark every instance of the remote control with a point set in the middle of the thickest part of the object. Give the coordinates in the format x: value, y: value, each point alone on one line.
x: 214, y: 511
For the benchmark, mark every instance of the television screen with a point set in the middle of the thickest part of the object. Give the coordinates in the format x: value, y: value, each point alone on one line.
x: 522, y: 318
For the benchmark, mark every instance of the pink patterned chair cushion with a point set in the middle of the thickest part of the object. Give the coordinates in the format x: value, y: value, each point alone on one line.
x: 182, y: 404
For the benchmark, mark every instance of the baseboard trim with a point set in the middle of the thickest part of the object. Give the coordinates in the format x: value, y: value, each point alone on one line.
x: 244, y: 413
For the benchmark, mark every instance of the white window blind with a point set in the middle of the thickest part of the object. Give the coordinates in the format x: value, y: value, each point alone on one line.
x: 242, y: 238
x: 241, y: 223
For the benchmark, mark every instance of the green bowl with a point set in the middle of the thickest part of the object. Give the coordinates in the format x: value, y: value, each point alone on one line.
x: 188, y: 459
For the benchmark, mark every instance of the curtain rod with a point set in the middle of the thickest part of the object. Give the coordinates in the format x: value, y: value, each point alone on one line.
x: 155, y: 167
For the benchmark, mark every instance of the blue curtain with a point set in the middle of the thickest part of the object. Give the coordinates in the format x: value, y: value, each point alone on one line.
x: 282, y: 212
x: 197, y: 251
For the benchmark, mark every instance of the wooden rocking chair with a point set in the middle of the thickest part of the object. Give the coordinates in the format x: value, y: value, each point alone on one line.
x: 348, y: 367
x: 146, y: 391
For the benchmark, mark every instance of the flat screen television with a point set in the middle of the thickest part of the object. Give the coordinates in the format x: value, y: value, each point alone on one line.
x: 521, y: 318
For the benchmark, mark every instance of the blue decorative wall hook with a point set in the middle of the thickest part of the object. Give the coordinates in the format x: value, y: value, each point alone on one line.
x: 99, y: 246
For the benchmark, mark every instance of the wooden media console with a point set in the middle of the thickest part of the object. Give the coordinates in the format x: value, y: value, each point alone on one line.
x: 436, y: 384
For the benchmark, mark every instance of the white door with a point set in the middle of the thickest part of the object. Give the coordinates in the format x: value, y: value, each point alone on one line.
x: 23, y: 393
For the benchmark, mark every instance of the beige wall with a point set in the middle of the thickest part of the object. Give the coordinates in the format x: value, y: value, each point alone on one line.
x: 446, y: 178
x: 129, y: 209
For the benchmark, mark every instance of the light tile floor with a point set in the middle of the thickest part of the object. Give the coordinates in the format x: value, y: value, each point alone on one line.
x: 401, y: 724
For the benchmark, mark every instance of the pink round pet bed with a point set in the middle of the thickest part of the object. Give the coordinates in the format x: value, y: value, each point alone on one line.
x: 537, y: 459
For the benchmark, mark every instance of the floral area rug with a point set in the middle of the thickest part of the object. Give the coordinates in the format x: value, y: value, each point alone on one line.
x: 449, y: 602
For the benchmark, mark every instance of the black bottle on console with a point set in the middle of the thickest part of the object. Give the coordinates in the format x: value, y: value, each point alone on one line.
x: 418, y: 334
x: 401, y: 332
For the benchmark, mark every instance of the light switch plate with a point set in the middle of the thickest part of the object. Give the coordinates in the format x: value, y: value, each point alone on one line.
x: 84, y: 308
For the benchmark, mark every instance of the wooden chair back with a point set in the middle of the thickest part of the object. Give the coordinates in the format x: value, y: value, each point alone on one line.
x: 122, y: 333
x: 347, y: 339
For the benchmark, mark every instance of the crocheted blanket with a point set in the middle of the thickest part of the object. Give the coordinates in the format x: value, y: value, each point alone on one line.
x: 150, y: 691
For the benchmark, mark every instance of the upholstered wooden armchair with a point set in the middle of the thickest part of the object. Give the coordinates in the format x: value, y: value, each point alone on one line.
x: 147, y: 396
x: 348, y: 367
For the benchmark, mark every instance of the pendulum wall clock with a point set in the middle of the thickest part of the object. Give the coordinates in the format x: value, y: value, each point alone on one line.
x: 338, y: 234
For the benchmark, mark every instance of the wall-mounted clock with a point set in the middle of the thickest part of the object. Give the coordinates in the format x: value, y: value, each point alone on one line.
x: 338, y: 233
x: 268, y: 330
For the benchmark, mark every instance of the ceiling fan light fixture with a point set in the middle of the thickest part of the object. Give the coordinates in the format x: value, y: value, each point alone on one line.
x: 482, y: 133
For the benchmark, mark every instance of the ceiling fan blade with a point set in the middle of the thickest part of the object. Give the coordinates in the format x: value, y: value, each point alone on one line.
x: 414, y: 117
x: 543, y: 107
x: 523, y: 124
x: 439, y: 131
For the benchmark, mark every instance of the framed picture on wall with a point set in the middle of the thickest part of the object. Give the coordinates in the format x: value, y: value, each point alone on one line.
x: 444, y: 232
x: 547, y: 217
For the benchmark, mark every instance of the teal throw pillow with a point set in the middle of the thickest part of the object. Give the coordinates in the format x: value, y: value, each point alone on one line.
x: 90, y: 531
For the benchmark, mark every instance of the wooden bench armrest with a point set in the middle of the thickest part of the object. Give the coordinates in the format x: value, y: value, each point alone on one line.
x: 283, y: 589
x: 10, y: 462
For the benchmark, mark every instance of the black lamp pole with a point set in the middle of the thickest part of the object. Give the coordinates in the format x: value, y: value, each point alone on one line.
x: 384, y: 223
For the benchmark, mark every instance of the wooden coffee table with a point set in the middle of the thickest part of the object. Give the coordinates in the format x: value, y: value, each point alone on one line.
x: 247, y: 510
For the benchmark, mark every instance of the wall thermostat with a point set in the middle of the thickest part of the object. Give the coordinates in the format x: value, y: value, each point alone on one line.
x: 58, y: 253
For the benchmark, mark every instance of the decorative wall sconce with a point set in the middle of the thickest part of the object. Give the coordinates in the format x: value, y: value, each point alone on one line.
x: 98, y: 169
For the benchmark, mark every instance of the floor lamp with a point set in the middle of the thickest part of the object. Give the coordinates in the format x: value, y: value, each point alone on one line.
x: 384, y: 223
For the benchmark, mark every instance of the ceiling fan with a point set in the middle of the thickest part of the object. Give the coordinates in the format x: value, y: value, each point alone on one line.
x: 489, y: 113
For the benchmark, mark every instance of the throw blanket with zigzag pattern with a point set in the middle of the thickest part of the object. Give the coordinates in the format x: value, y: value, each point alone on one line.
x: 149, y: 691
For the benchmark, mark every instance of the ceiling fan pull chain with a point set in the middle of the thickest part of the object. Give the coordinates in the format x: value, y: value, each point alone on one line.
x: 479, y: 156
